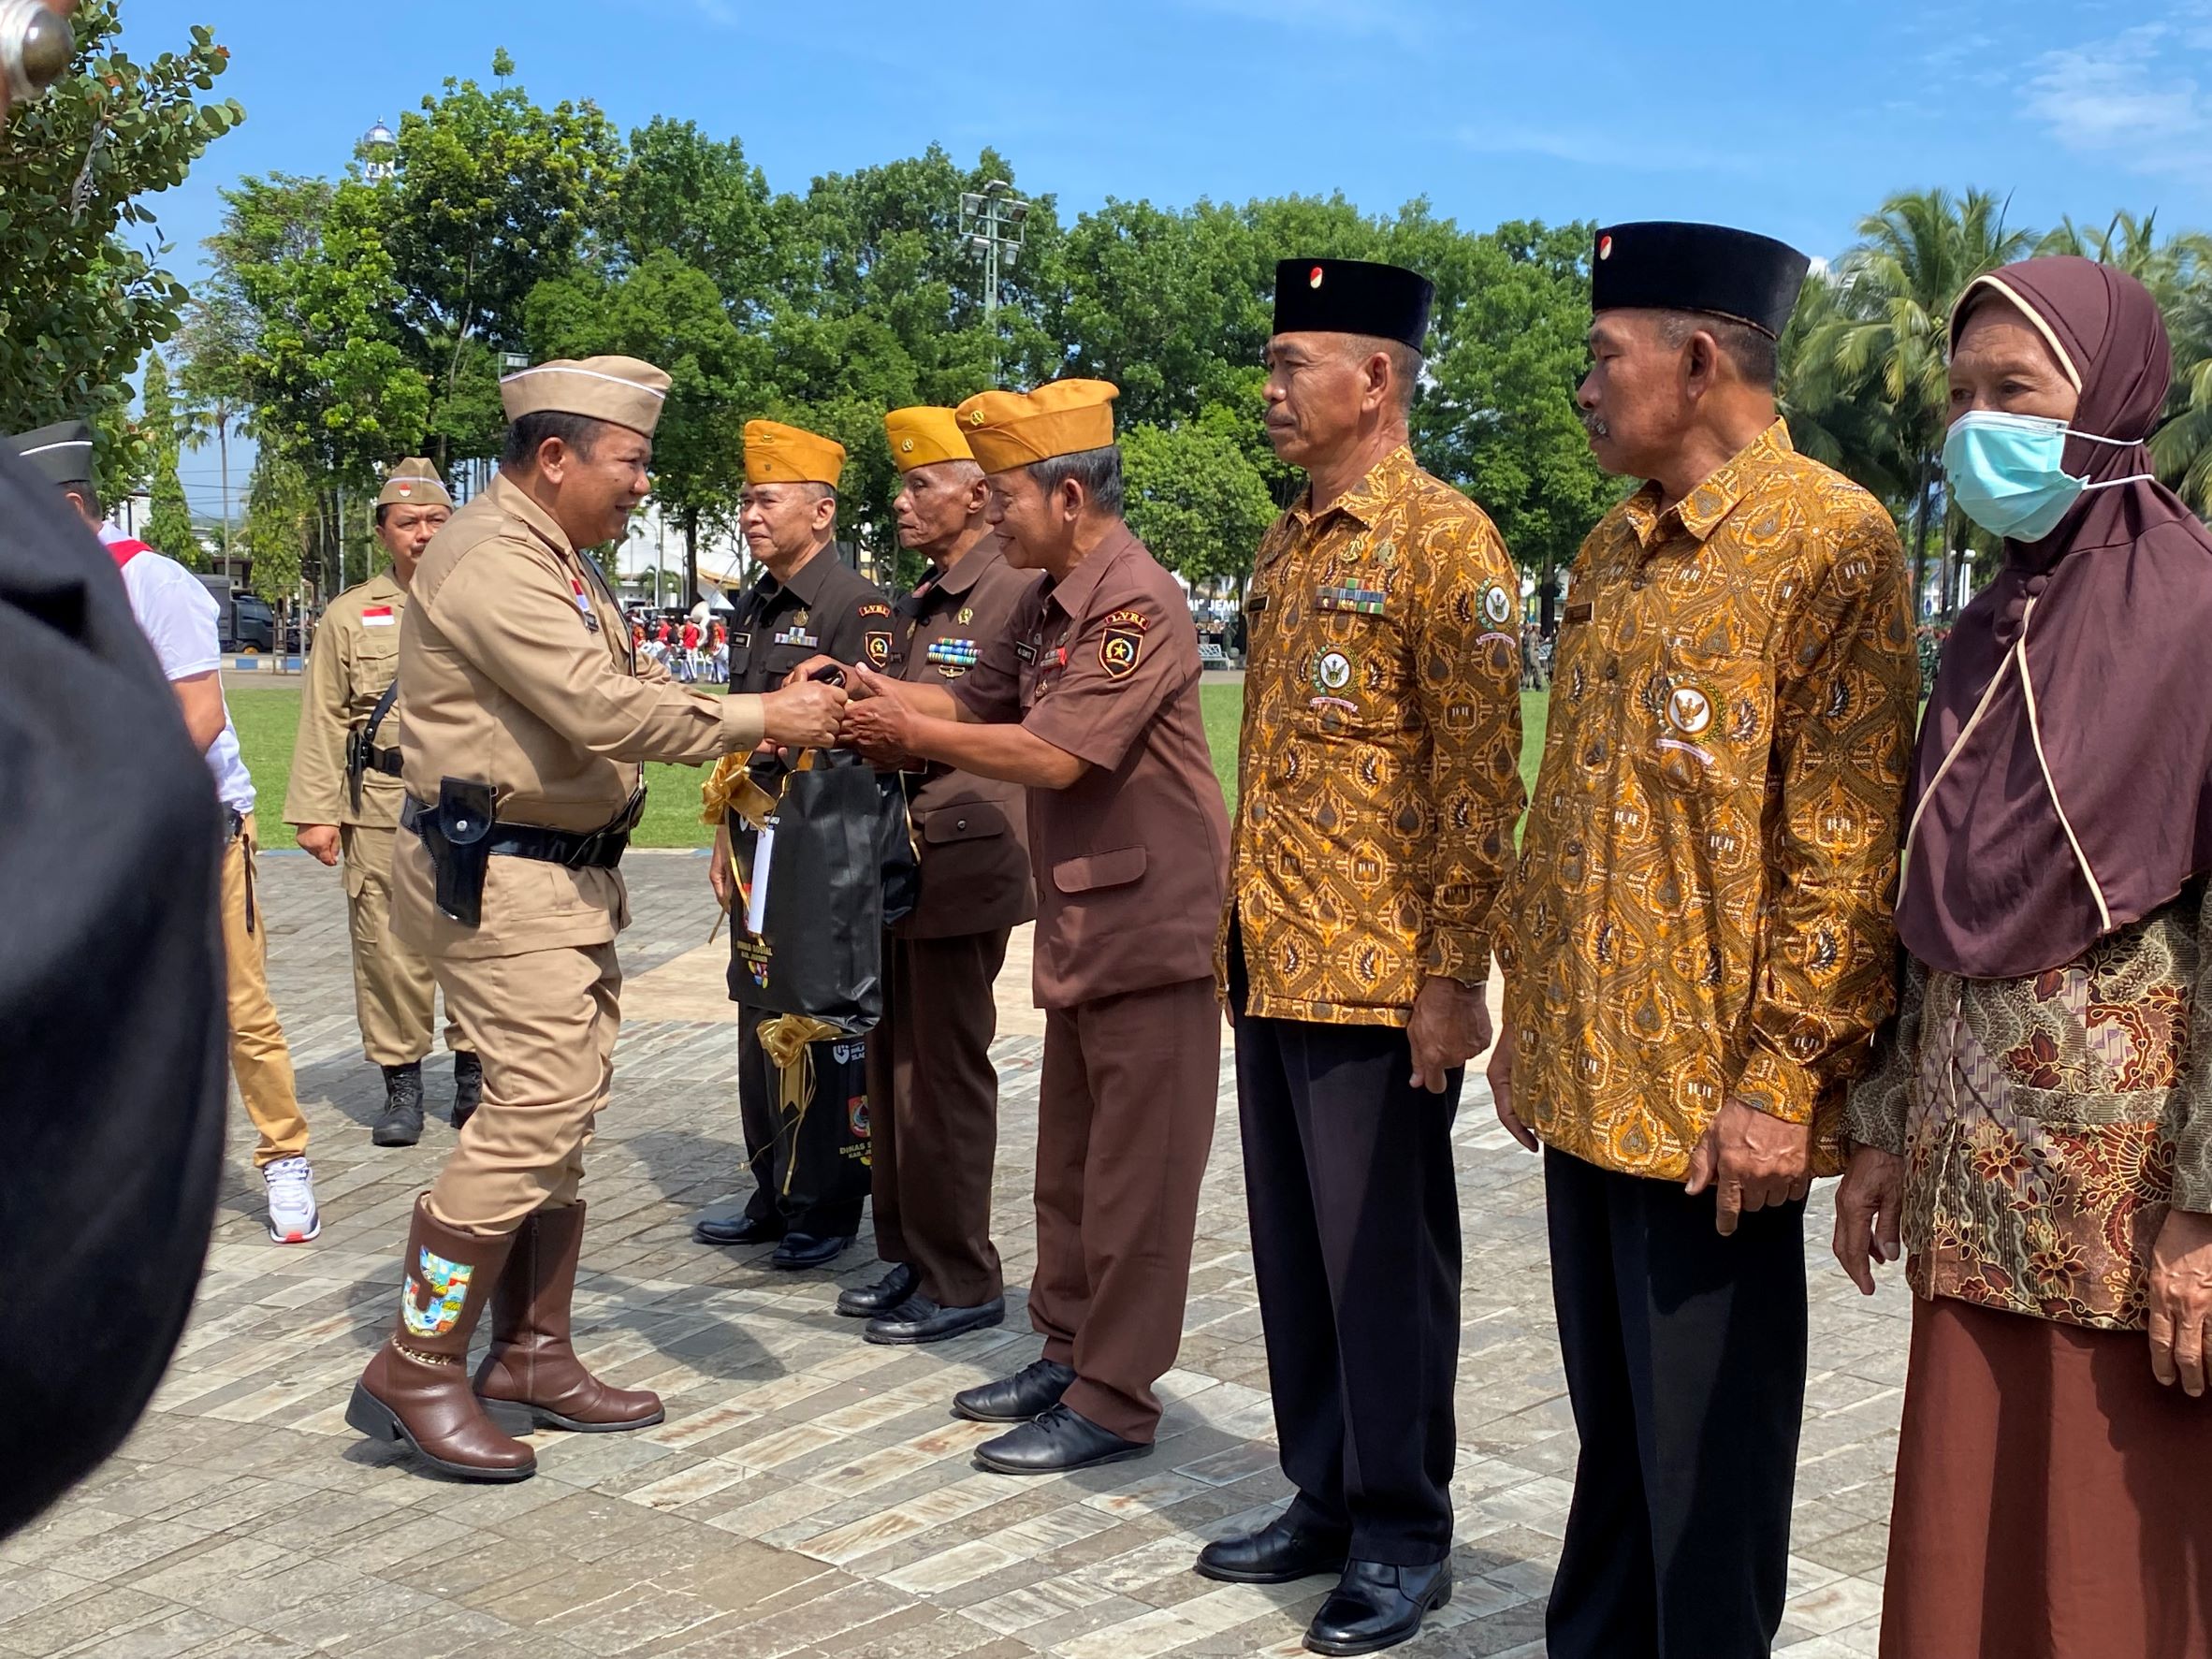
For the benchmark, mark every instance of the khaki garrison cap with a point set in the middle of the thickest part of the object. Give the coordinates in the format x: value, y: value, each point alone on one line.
x: 777, y: 454
x: 922, y: 437
x: 414, y: 483
x: 619, y: 389
x: 1010, y: 430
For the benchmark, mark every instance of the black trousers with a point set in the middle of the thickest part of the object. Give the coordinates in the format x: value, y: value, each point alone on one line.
x: 1356, y: 1246
x: 1685, y: 1359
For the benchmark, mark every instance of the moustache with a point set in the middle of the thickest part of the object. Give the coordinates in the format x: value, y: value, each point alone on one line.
x: 1594, y: 424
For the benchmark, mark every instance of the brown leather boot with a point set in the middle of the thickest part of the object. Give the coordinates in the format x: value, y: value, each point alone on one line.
x: 531, y: 1365
x: 416, y: 1389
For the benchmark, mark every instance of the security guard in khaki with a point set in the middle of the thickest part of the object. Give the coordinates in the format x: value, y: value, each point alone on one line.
x: 344, y: 797
x: 528, y: 722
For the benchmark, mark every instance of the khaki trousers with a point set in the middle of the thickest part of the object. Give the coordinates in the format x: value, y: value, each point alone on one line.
x: 395, y: 995
x: 260, y: 1062
x: 544, y: 1025
x: 1124, y: 1119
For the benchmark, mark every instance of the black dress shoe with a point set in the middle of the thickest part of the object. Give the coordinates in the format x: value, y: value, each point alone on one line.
x: 803, y: 1249
x: 918, y: 1319
x: 1277, y: 1553
x: 1060, y: 1442
x: 1029, y: 1392
x: 1376, y: 1606
x: 738, y: 1228
x: 400, y: 1123
x: 865, y: 1301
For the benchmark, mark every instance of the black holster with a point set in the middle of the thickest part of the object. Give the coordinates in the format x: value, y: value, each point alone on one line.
x: 356, y: 763
x: 458, y: 836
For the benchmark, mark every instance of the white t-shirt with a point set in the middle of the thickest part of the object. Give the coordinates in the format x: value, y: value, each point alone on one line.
x: 179, y: 616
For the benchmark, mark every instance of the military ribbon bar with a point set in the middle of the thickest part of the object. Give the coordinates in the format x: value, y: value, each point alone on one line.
x: 1366, y: 601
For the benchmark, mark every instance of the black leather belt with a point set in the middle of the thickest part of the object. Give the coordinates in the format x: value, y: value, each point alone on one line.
x: 579, y: 849
x: 385, y: 761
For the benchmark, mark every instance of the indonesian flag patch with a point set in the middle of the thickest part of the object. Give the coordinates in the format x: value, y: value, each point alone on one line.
x: 378, y: 615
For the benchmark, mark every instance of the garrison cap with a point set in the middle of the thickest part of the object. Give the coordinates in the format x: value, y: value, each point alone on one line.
x: 922, y: 437
x: 1353, y: 297
x: 622, y: 390
x: 414, y: 483
x: 1661, y: 265
x: 59, y: 454
x: 1010, y: 430
x: 777, y: 454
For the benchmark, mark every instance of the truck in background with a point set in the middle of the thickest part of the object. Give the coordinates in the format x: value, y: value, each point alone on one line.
x: 245, y: 622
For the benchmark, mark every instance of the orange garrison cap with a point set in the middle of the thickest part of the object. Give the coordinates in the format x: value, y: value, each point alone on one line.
x: 1009, y: 430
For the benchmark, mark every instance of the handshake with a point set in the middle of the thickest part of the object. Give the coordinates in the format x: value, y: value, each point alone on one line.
x: 860, y: 709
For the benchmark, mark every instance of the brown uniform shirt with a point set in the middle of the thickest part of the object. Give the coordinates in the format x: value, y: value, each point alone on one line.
x: 827, y: 609
x: 970, y: 832
x: 516, y: 669
x: 355, y: 659
x: 1132, y: 859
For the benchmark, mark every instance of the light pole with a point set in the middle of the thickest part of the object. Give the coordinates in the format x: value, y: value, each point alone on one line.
x: 991, y: 225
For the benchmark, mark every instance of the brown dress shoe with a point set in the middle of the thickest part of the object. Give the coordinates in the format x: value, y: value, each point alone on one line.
x: 416, y: 1389
x: 531, y: 1365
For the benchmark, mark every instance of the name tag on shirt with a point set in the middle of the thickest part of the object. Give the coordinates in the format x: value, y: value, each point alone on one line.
x: 1578, y: 613
x: 1026, y: 650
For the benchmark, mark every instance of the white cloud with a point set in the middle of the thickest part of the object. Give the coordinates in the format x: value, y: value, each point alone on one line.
x: 2134, y: 91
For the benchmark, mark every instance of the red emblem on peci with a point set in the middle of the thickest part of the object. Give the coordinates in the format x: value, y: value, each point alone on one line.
x: 1313, y: 281
x: 1605, y: 247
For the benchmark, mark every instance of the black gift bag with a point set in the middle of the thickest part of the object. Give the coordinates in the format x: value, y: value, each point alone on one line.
x: 840, y: 866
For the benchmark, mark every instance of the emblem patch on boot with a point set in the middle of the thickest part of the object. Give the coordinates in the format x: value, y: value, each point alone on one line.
x: 443, y: 1286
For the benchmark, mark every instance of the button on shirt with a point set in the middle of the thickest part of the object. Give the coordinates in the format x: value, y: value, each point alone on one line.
x: 1702, y: 907
x: 1381, y: 755
x: 1130, y: 857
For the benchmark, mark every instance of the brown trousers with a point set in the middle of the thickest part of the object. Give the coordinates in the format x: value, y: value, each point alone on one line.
x: 395, y: 995
x: 1124, y: 1119
x: 260, y: 1060
x: 934, y: 1131
x: 544, y: 1025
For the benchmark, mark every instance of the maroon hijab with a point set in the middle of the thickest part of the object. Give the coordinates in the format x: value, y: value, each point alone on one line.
x: 2081, y: 801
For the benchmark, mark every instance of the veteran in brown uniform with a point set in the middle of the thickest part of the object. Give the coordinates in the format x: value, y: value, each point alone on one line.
x: 528, y: 720
x: 1381, y: 781
x: 345, y: 797
x: 934, y: 1092
x: 808, y: 603
x: 1091, y: 700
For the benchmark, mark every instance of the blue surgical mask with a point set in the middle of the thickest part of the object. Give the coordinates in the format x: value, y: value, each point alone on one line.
x: 2006, y: 471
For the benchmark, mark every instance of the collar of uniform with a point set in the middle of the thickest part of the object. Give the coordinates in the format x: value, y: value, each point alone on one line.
x: 963, y: 575
x: 1703, y: 510
x: 1381, y: 484
x: 1073, y: 595
x: 516, y: 503
x: 383, y: 588
x: 807, y: 582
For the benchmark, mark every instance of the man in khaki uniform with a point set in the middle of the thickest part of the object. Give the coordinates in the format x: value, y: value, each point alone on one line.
x: 528, y: 719
x: 344, y: 799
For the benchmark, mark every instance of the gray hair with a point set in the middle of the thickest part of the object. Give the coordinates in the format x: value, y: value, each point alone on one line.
x: 1754, y: 352
x: 1099, y: 471
x: 1406, y: 363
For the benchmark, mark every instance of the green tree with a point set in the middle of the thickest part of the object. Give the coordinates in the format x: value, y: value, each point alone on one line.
x: 494, y: 194
x: 672, y: 315
x: 78, y: 304
x: 169, y: 526
x: 282, y: 524
x: 1888, y: 343
x: 214, y: 343
x: 1194, y: 497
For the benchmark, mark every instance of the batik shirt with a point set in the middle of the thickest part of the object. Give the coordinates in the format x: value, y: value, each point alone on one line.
x: 1702, y: 908
x: 1380, y: 768
x: 2047, y: 1124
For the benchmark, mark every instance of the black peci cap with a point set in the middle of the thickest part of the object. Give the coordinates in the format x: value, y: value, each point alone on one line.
x: 1353, y: 297
x: 59, y: 454
x: 1661, y: 265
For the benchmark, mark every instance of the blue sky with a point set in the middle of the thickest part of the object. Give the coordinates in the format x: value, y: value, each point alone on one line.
x: 1794, y: 119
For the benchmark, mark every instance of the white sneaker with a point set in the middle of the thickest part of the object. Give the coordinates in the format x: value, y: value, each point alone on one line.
x: 293, y: 1218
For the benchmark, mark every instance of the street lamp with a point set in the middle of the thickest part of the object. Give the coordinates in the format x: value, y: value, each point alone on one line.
x: 379, y: 151
x: 992, y: 225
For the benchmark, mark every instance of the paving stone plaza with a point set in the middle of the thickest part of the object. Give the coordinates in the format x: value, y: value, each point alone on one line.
x: 808, y: 1495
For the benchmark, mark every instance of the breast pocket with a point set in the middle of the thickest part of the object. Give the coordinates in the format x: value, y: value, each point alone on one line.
x: 1356, y: 675
x: 374, y: 665
x: 1709, y: 712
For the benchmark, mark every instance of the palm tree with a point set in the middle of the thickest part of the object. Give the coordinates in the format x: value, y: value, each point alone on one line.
x: 1887, y: 345
x: 215, y: 341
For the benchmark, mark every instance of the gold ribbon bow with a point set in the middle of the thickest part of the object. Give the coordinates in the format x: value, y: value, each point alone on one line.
x: 789, y: 1041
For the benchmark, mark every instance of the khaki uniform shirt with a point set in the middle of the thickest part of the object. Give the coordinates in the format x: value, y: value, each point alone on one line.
x: 516, y: 669
x: 1380, y: 768
x: 355, y: 657
x: 1130, y: 858
x: 970, y: 832
x: 1703, y: 903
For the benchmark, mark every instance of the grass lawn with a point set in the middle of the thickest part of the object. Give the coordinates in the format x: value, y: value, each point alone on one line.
x: 268, y: 717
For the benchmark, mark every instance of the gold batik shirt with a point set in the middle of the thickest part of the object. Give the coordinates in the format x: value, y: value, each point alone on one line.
x: 1702, y: 907
x: 1379, y: 774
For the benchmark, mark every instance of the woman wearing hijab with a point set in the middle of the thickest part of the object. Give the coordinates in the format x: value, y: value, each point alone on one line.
x: 2037, y: 1121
